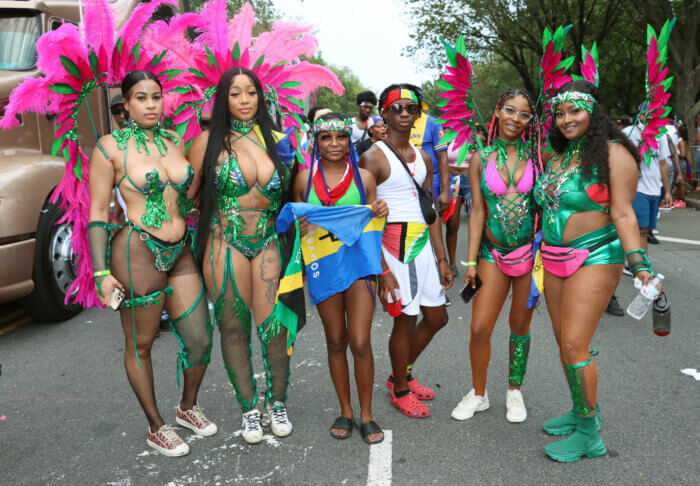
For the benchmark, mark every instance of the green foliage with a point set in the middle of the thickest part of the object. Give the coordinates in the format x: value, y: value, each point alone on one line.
x: 346, y: 102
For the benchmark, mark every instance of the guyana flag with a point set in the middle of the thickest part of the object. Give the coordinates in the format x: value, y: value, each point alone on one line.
x: 289, y: 304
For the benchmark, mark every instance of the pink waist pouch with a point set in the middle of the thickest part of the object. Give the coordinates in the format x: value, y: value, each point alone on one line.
x: 562, y: 261
x: 516, y: 263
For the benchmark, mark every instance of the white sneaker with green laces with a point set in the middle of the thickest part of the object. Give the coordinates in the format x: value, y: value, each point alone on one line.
x: 279, y: 421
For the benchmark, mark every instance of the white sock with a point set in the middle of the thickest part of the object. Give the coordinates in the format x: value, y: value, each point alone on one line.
x: 512, y: 393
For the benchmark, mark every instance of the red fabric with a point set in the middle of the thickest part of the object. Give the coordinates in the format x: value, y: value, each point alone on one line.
x: 337, y: 192
x: 598, y: 193
x: 450, y: 210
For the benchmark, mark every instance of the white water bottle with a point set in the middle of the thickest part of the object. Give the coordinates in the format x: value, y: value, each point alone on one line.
x: 642, y: 302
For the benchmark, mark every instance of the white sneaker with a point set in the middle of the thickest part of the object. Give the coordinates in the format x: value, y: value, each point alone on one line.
x: 471, y: 403
x: 167, y: 442
x: 252, y: 430
x: 195, y: 420
x: 279, y: 421
x: 515, y: 407
x: 655, y: 232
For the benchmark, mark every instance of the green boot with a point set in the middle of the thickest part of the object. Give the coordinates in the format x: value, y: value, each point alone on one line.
x: 585, y: 441
x: 564, y: 424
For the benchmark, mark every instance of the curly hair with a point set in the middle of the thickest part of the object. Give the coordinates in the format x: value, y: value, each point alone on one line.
x: 594, y: 152
x: 367, y: 96
x: 411, y: 87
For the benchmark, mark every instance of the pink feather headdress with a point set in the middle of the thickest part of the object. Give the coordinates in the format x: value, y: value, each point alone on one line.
x: 458, y: 107
x: 589, y: 65
x: 552, y: 72
x: 275, y: 57
x: 74, y: 62
x: 655, y: 106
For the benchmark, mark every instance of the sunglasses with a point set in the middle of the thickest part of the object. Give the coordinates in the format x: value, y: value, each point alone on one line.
x: 411, y: 108
x: 510, y: 112
x: 117, y: 111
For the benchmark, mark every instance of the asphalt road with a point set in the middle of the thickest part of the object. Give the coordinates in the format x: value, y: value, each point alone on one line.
x: 68, y: 416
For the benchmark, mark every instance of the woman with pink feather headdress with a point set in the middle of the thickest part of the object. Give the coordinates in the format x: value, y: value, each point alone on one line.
x: 150, y: 259
x: 243, y: 166
x: 589, y: 227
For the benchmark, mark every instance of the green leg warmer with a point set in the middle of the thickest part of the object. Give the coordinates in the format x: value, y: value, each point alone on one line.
x: 519, y: 349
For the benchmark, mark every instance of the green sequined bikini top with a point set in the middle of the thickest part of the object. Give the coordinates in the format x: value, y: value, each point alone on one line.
x: 154, y: 187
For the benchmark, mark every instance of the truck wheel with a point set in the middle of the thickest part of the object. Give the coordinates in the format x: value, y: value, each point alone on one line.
x: 53, y: 271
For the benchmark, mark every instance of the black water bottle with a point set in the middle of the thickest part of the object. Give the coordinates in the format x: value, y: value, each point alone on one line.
x: 661, y: 315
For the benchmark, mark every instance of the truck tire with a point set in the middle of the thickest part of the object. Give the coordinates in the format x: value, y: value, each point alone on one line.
x: 53, y: 271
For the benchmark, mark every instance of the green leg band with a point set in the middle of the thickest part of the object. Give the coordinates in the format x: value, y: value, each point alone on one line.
x: 519, y: 349
x: 146, y: 300
x: 579, y: 396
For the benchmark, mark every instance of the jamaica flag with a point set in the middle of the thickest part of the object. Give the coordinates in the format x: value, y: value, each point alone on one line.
x: 289, y: 305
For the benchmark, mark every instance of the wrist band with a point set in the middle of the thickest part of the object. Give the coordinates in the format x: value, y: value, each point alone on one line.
x: 102, y: 273
x: 388, y: 270
x: 441, y: 259
x: 639, y: 261
x: 472, y: 263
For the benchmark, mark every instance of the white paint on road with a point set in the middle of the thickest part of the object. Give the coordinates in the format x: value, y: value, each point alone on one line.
x: 678, y: 240
x: 692, y: 372
x: 379, y: 470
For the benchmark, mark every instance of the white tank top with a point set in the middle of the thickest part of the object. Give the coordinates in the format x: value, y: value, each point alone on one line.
x: 399, y: 191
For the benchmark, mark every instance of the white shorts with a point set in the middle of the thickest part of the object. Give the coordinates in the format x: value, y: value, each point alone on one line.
x: 419, y: 281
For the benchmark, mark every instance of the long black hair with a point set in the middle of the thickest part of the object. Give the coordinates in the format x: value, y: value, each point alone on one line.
x: 136, y: 77
x: 220, y: 141
x: 594, y: 152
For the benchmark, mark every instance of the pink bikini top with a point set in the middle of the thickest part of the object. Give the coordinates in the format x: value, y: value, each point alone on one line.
x: 495, y: 182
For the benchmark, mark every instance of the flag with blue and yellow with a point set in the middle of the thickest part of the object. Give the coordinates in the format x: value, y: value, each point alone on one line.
x: 343, y: 244
x: 537, y: 283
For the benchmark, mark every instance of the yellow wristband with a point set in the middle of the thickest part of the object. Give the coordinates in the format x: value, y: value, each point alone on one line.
x: 102, y: 273
x: 472, y: 264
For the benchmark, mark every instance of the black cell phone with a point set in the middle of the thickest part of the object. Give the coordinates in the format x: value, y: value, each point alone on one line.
x: 468, y: 291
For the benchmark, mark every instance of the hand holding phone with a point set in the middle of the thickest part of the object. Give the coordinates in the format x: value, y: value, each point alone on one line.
x: 115, y: 299
x: 468, y: 291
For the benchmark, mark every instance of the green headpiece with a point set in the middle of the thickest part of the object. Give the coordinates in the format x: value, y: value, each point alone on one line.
x: 583, y: 101
x: 331, y: 126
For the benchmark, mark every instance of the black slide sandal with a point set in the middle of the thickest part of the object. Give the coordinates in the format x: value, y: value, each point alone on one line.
x: 342, y: 423
x: 369, y: 428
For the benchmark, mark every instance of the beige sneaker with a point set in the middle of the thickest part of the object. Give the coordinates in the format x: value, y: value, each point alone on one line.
x: 195, y: 420
x: 167, y: 442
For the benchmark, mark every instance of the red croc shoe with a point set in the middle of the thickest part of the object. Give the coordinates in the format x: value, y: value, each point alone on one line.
x: 422, y: 392
x: 410, y: 406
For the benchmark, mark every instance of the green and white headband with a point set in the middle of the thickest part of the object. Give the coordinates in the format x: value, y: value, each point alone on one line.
x: 333, y: 125
x: 581, y: 100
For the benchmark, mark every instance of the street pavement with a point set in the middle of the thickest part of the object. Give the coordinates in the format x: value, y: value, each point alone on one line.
x: 68, y: 415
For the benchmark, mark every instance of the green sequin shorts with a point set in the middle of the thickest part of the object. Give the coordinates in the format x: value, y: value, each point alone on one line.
x: 610, y: 251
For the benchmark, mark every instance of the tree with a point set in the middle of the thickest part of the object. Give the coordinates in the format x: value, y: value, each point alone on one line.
x: 512, y: 31
x: 344, y: 103
x: 684, y: 51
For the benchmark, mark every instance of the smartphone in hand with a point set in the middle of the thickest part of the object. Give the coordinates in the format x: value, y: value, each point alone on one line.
x: 468, y: 291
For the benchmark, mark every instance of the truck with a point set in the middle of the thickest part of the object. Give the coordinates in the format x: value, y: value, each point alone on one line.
x: 37, y: 264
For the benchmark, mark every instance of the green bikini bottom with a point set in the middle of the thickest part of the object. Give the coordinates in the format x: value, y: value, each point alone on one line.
x: 604, y: 254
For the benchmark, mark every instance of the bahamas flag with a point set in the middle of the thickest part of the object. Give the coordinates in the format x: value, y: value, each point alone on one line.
x: 343, y: 245
x: 290, y: 310
x: 537, y: 284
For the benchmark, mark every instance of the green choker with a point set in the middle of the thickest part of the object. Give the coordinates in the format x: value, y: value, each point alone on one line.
x: 500, y: 145
x: 241, y: 126
x: 141, y: 137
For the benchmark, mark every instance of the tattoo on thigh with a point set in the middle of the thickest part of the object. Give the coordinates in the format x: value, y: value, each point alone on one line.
x: 271, y: 279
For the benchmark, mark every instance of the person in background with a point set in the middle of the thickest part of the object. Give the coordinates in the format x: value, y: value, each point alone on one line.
x: 116, y: 108
x: 683, y: 158
x: 365, y: 104
x: 459, y: 176
x: 652, y: 179
x: 676, y: 170
x: 425, y: 135
x: 377, y: 131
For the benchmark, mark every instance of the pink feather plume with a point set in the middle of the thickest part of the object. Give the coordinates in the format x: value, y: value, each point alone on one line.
x: 32, y: 95
x: 285, y: 41
x: 98, y: 24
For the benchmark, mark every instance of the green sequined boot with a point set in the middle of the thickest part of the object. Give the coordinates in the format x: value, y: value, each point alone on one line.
x: 585, y: 441
x: 564, y: 424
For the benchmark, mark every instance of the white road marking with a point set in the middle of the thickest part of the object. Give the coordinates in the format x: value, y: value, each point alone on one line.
x: 379, y: 470
x: 678, y: 240
x: 692, y: 372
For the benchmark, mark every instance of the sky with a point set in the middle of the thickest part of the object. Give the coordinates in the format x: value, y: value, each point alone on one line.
x: 365, y: 35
